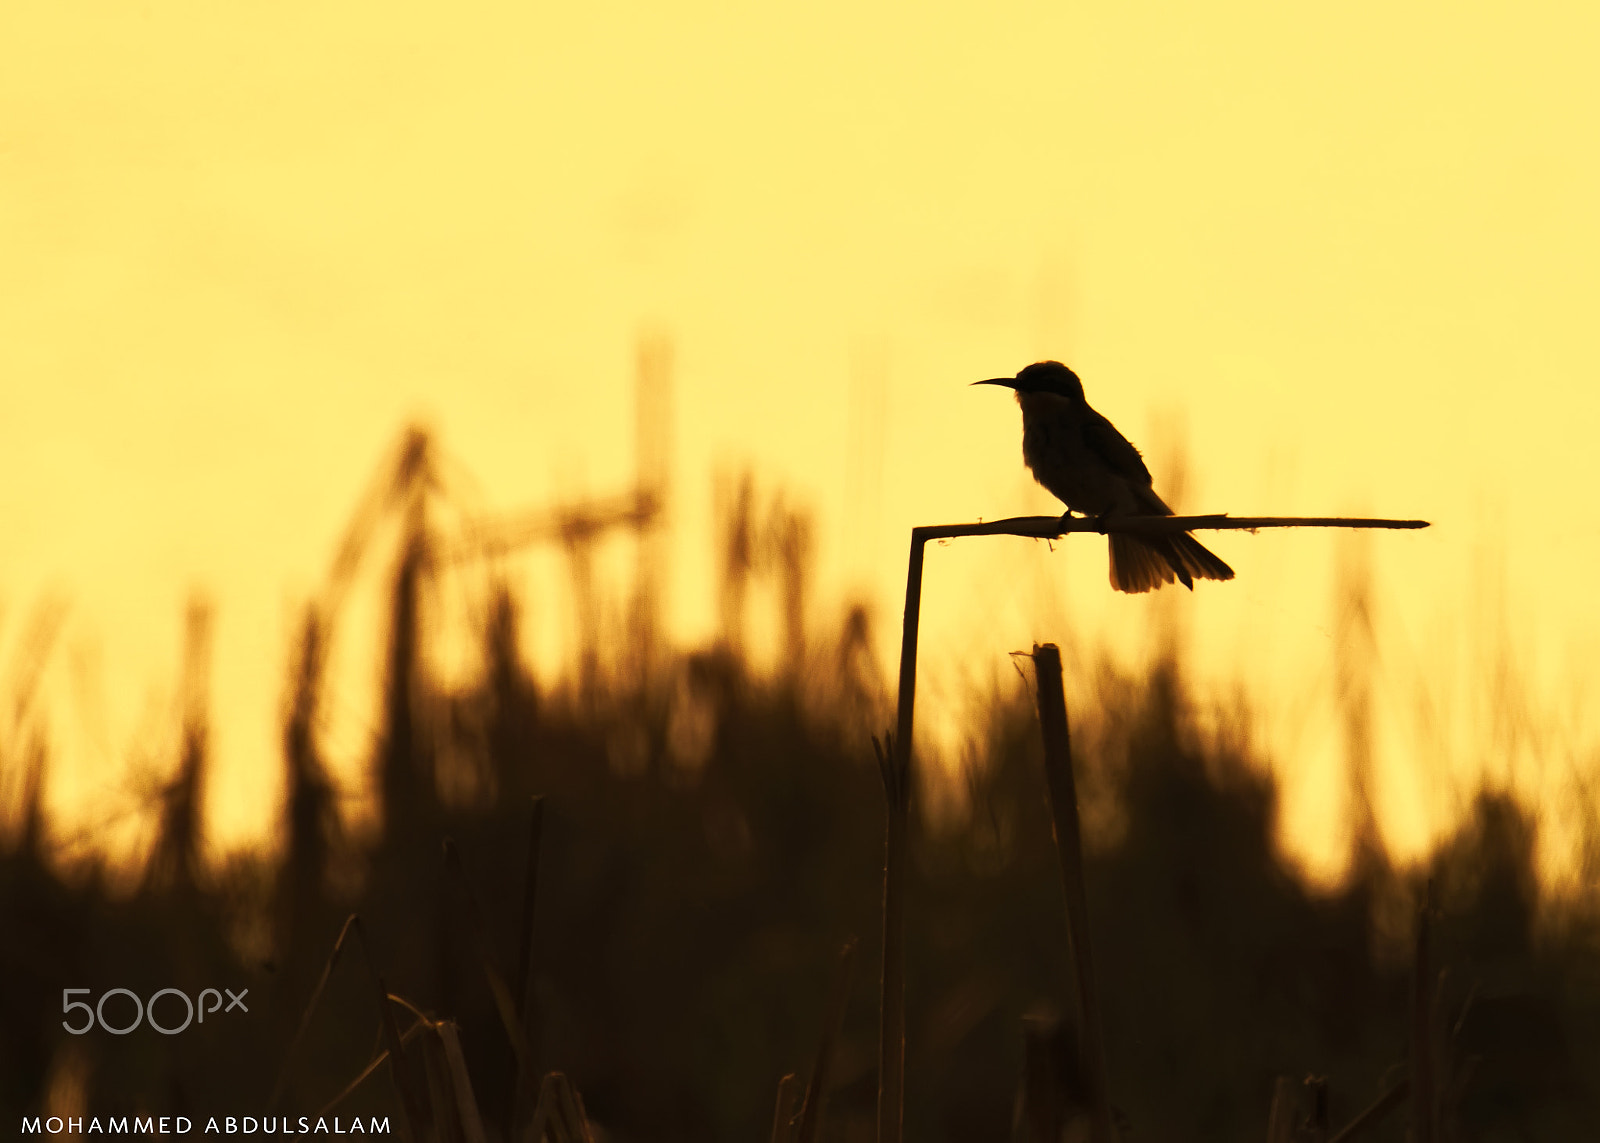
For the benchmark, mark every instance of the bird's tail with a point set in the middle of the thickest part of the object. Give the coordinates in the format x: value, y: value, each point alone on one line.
x: 1143, y: 563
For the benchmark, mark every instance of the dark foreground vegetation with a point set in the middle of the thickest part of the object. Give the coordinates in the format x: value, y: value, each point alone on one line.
x: 709, y: 843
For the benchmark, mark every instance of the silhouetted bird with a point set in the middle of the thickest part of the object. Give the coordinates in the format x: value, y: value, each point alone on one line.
x: 1091, y: 468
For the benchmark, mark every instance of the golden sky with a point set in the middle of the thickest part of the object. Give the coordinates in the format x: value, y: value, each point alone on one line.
x: 1345, y: 259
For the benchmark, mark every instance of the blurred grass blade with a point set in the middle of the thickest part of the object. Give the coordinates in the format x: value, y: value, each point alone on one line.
x: 437, y: 1073
x: 410, y: 1106
x: 1424, y: 1110
x: 411, y: 1109
x: 1285, y: 1101
x: 783, y: 1112
x: 1375, y: 1111
x: 1063, y: 796
x: 504, y: 1004
x: 893, y: 765
x: 311, y: 1006
x: 461, y: 1081
x: 560, y: 1117
x: 525, y: 1074
x: 412, y: 1112
x: 833, y: 1023
x: 541, y: 1112
x: 377, y: 1062
x: 530, y: 893
x: 577, y: 1117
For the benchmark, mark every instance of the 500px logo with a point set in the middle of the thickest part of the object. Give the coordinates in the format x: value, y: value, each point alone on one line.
x: 146, y: 1013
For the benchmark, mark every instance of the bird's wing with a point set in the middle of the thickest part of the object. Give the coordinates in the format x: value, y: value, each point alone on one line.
x: 1103, y: 440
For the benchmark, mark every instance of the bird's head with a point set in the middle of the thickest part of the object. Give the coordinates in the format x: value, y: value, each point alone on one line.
x: 1043, y: 377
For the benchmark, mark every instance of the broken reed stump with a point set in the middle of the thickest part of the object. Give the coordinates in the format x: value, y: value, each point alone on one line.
x: 894, y: 755
x: 1063, y: 795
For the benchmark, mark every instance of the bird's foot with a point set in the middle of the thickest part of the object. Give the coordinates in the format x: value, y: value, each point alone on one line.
x: 1100, y: 521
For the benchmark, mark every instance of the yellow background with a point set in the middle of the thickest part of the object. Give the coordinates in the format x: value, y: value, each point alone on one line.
x: 1345, y: 259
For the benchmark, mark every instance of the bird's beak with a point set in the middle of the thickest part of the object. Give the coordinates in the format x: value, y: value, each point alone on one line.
x: 1008, y: 382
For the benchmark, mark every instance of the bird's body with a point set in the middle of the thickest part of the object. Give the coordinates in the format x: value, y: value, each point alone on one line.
x: 1080, y: 457
x: 1077, y: 455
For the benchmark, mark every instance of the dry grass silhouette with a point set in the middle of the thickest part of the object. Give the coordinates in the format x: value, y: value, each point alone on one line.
x: 694, y: 886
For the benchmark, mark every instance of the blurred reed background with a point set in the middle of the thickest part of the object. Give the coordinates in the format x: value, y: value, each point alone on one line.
x: 241, y: 247
x: 711, y: 837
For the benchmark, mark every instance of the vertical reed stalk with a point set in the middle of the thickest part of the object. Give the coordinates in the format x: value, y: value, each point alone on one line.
x: 894, y: 762
x: 1069, y: 849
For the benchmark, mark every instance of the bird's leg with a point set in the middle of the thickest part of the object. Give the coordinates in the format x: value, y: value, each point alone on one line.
x: 1069, y: 516
x: 1105, y: 518
x: 1115, y: 512
x: 1100, y: 520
